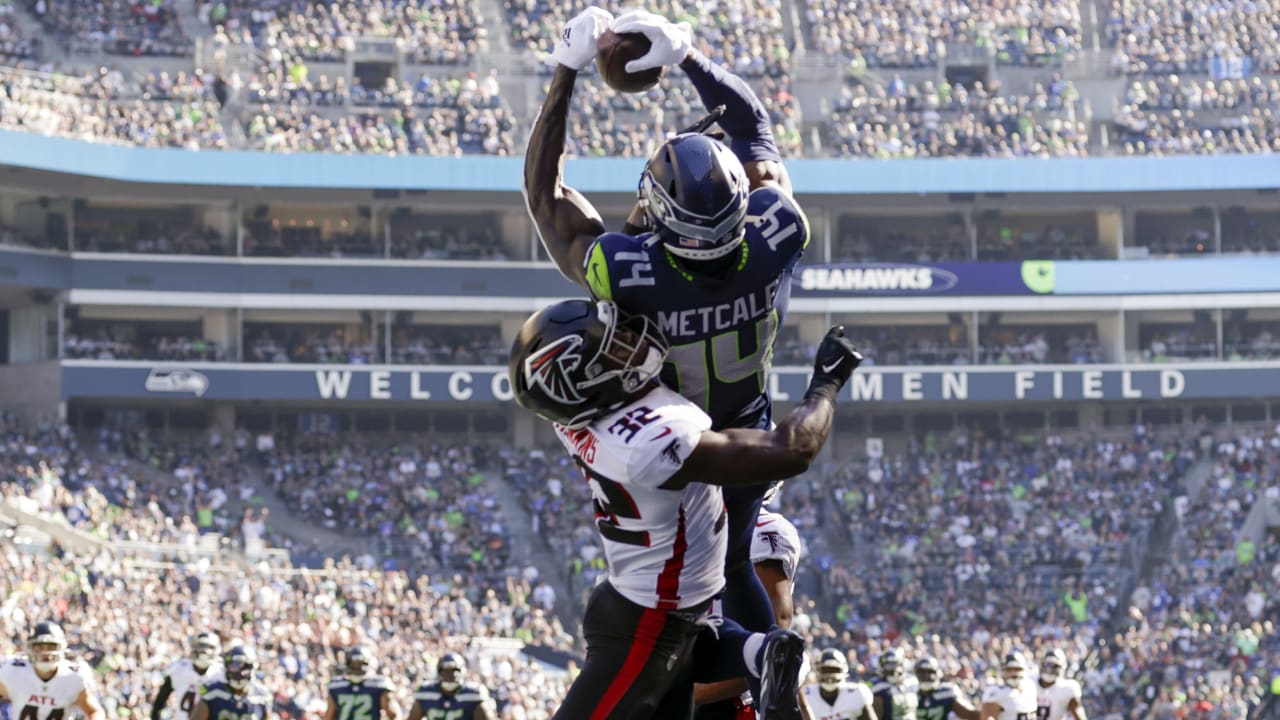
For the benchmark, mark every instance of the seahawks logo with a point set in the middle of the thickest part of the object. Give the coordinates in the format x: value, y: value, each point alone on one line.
x: 550, y: 366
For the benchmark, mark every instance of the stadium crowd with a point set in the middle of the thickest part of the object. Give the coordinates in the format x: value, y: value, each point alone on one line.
x: 1153, y: 37
x: 962, y: 547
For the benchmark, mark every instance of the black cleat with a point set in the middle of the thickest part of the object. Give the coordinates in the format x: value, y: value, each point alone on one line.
x: 780, y: 676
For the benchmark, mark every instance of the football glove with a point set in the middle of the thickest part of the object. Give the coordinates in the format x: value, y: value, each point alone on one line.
x: 836, y: 360
x: 576, y: 48
x: 670, y: 42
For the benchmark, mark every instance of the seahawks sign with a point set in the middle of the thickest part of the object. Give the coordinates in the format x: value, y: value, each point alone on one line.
x: 1032, y: 277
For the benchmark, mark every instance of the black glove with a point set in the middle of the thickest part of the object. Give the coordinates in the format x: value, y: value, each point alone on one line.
x: 836, y: 360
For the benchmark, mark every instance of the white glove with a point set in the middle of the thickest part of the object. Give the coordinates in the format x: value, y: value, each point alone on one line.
x: 671, y: 42
x: 576, y: 48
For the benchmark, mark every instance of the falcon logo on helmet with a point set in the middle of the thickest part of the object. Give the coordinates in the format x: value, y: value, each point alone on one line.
x: 833, y: 669
x: 47, y: 645
x: 549, y: 369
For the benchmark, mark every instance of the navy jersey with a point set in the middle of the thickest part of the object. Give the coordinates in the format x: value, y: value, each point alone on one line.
x: 436, y: 704
x: 224, y: 704
x: 359, y: 701
x: 898, y: 701
x: 721, y: 330
x: 937, y: 705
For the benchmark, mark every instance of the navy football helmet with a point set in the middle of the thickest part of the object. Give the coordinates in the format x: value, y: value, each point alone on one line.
x: 893, y: 665
x: 577, y: 359
x: 449, y: 670
x: 694, y: 193
x: 241, y: 663
x: 360, y: 663
x: 928, y: 674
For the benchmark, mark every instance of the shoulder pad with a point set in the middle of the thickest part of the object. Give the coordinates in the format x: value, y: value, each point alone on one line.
x: 215, y: 691
x: 338, y: 683
x: 776, y: 223
x: 617, y: 261
x: 17, y: 662
x: 946, y: 691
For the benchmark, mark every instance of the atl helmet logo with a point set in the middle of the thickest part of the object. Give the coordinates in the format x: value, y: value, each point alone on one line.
x: 550, y: 366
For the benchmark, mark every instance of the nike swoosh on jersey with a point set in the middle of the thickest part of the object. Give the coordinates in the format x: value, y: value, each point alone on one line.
x: 665, y: 432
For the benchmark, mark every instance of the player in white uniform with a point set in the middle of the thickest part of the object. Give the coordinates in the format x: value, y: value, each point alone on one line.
x: 650, y: 458
x: 1058, y: 696
x: 1015, y: 697
x: 45, y: 685
x: 184, y: 677
x: 833, y: 697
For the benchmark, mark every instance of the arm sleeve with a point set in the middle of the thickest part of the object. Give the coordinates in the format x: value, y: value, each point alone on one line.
x: 162, y: 698
x: 745, y: 118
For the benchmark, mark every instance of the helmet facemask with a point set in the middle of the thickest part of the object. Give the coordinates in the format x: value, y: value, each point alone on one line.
x: 204, y: 651
x: 45, y: 656
x: 450, y: 676
x: 928, y: 675
x: 1052, y: 668
x: 694, y: 195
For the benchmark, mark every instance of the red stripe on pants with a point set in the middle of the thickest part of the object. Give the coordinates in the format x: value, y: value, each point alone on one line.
x: 647, y: 632
x: 669, y: 579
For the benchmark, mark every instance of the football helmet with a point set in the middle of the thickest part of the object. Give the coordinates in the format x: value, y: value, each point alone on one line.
x: 833, y: 669
x: 449, y: 670
x: 928, y: 674
x: 1013, y: 669
x: 577, y: 359
x: 205, y: 649
x: 47, y: 645
x: 241, y: 662
x: 694, y: 194
x: 893, y: 665
x: 1052, y: 666
x: 360, y: 664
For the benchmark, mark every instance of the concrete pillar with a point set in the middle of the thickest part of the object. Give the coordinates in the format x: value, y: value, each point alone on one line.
x: 524, y: 429
x: 1091, y: 415
x: 1111, y: 337
x: 218, y: 326
x: 224, y: 418
x: 509, y: 327
x: 1111, y: 231
x: 27, y: 342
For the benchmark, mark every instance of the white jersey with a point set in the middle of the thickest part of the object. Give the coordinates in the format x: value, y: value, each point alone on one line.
x: 187, y: 681
x: 1015, y: 703
x: 775, y: 538
x: 1053, y: 700
x: 665, y: 547
x: 34, y: 699
x: 851, y: 700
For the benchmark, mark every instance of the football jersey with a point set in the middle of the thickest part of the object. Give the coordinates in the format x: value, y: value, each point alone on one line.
x: 850, y: 701
x: 1015, y: 703
x: 187, y: 681
x: 775, y: 538
x: 436, y: 704
x: 936, y: 704
x: 665, y: 548
x: 224, y: 704
x: 721, y: 330
x: 899, y: 701
x: 1052, y: 701
x: 359, y: 701
x: 32, y: 698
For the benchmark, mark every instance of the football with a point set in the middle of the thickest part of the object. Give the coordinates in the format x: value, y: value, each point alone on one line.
x: 614, y: 51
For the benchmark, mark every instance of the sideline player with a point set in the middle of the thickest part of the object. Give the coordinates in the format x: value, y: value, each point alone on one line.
x: 359, y: 694
x: 240, y: 696
x: 895, y: 698
x: 937, y: 699
x: 1013, y: 698
x: 655, y: 469
x: 45, y: 685
x: 449, y: 698
x: 833, y: 697
x: 718, y: 237
x: 1057, y: 696
x: 185, y: 676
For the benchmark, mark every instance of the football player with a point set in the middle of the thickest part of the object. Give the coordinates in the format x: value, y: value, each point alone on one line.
x: 1013, y: 698
x: 184, y: 677
x: 239, y: 695
x: 895, y: 698
x: 359, y: 694
x: 1057, y: 696
x: 708, y: 252
x: 937, y: 699
x: 44, y: 685
x: 834, y: 697
x: 655, y: 469
x: 449, y: 698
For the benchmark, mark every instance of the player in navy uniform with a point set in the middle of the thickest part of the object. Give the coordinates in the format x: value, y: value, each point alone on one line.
x: 894, y: 696
x: 707, y: 254
x: 449, y: 698
x: 656, y: 469
x: 240, y: 696
x: 937, y: 699
x: 359, y: 694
